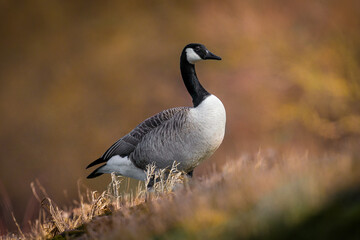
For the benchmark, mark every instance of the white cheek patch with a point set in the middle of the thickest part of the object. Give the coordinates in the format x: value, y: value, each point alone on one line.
x: 192, y: 56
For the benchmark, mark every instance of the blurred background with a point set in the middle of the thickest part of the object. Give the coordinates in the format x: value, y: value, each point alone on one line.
x: 75, y: 76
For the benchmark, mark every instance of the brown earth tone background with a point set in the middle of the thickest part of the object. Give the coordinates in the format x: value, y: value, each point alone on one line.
x: 76, y: 76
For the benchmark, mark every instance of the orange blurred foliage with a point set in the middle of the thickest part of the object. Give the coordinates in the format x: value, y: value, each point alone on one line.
x: 76, y: 76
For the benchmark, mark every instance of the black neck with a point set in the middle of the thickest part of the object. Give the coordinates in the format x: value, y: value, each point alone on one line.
x: 197, y: 92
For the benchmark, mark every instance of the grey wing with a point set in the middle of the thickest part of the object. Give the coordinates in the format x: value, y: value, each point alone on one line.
x: 126, y: 145
x: 165, y: 144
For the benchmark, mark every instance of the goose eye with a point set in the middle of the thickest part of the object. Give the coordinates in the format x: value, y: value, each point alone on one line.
x: 197, y: 48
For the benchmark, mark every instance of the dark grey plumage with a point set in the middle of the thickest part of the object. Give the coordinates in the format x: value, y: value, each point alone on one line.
x: 163, y: 143
x: 127, y: 144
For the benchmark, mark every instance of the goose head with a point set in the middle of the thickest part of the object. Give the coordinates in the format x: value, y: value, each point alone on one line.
x: 195, y: 52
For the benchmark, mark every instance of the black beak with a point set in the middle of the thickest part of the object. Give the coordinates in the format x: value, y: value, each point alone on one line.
x: 210, y: 55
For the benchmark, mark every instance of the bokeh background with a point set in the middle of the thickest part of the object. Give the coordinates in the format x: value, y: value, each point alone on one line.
x: 77, y: 75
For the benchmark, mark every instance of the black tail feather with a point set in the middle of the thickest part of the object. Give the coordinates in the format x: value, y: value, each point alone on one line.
x: 190, y: 174
x: 95, y: 173
x: 97, y: 161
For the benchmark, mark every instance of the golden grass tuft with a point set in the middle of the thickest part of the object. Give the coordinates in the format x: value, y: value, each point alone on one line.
x: 263, y: 195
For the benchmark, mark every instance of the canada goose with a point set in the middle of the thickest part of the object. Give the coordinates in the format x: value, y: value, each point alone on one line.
x: 187, y: 135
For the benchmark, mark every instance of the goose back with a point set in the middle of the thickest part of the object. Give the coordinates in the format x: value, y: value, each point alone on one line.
x: 189, y: 137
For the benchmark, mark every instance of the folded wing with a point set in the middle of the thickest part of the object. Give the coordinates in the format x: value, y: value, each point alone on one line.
x: 127, y: 144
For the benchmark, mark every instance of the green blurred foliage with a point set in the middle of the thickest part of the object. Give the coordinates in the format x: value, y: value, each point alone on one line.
x: 75, y: 76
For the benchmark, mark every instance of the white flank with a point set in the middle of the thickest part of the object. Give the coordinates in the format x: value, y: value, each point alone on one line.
x: 192, y: 56
x: 124, y: 167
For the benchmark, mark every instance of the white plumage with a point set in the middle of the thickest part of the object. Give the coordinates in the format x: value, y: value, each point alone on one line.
x: 123, y: 166
x: 191, y: 56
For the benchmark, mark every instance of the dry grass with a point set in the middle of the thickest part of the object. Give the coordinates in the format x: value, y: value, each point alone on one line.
x: 54, y: 220
x: 264, y: 195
